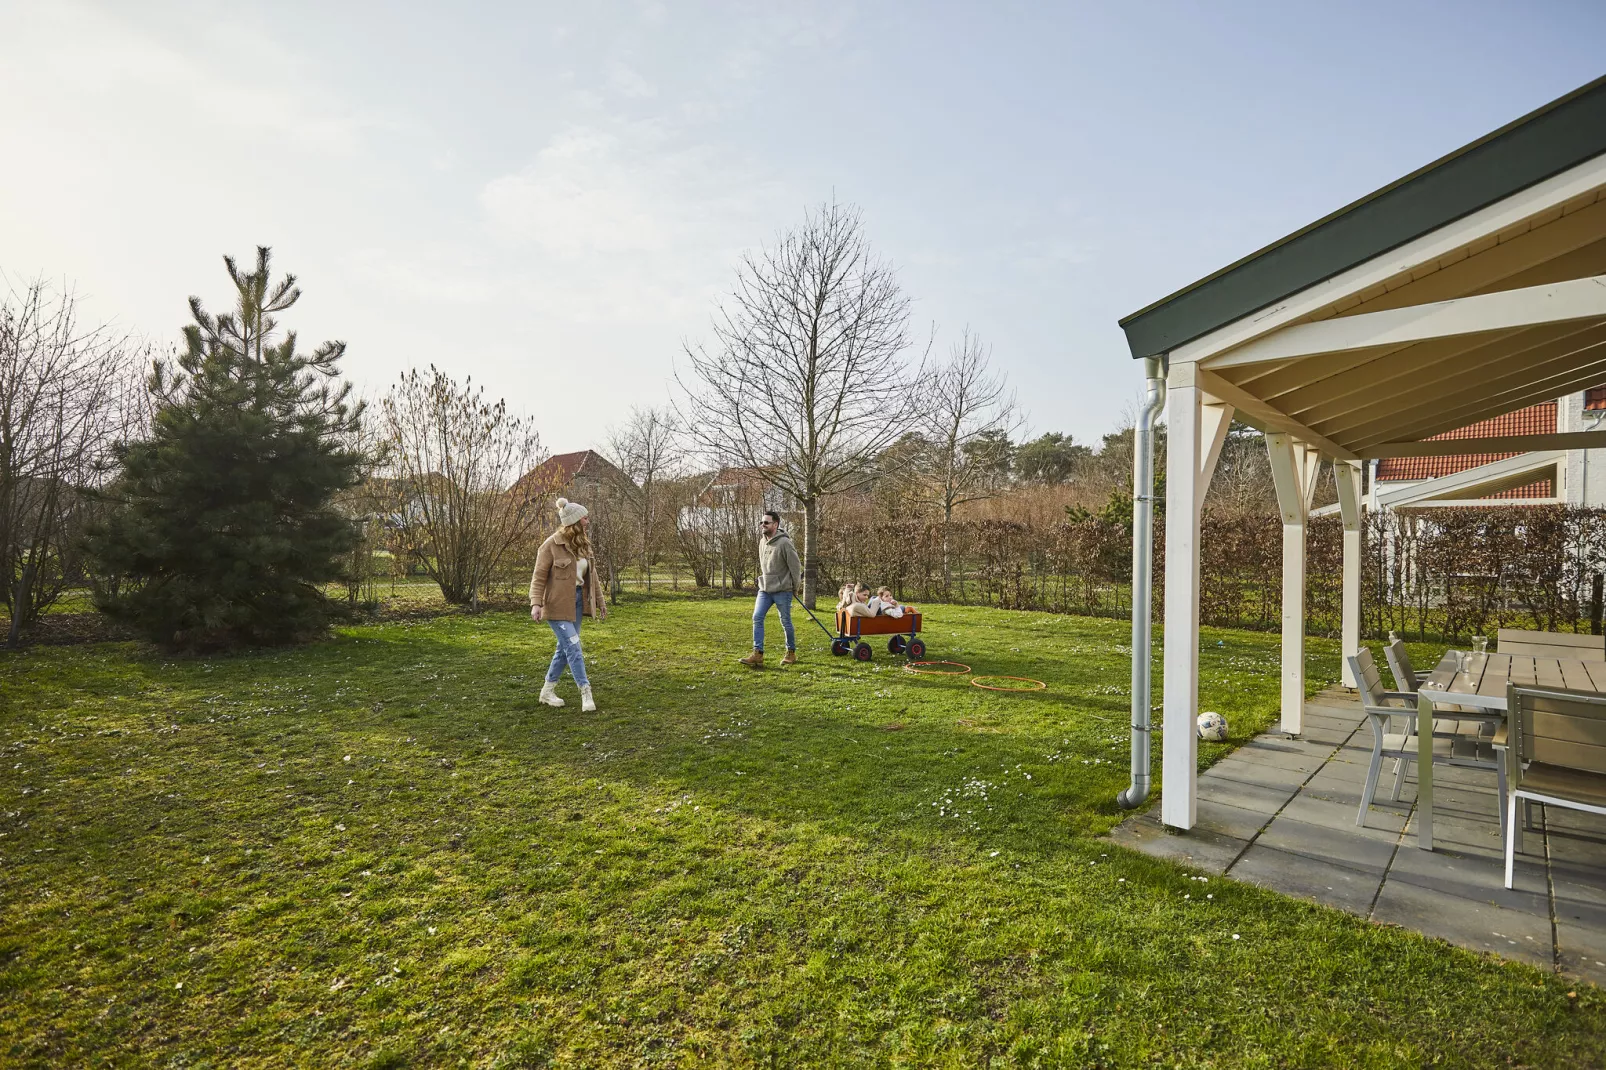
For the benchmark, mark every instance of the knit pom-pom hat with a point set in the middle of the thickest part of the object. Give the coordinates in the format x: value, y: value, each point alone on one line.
x: 569, y: 512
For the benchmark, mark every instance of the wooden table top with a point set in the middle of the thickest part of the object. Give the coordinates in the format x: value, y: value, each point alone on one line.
x: 1483, y: 684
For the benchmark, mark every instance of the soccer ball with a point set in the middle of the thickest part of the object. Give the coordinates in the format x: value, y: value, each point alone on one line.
x: 1212, y: 727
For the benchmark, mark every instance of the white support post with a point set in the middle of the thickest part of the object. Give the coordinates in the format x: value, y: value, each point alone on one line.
x: 1293, y: 468
x: 1180, y: 754
x: 1195, y: 431
x: 1347, y: 474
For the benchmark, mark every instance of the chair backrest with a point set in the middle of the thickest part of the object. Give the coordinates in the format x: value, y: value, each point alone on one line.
x: 1368, y: 681
x: 1400, y: 665
x: 1557, y: 726
x: 1551, y: 644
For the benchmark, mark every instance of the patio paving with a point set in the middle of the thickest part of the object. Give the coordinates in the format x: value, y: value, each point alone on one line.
x: 1279, y: 812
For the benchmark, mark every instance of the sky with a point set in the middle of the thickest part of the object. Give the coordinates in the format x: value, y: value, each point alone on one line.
x: 549, y: 199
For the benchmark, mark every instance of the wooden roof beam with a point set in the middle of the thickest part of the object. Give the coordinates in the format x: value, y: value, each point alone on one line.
x: 1457, y: 447
x: 1578, y: 299
x: 1487, y: 406
x: 1254, y: 411
x: 1483, y: 371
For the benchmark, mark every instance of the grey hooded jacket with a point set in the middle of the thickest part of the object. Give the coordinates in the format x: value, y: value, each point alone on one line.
x: 779, y: 567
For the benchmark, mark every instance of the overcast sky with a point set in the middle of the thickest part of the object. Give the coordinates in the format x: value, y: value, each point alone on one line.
x: 550, y: 197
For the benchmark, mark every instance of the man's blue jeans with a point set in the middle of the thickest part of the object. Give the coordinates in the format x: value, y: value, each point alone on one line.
x: 782, y: 601
x: 568, y: 652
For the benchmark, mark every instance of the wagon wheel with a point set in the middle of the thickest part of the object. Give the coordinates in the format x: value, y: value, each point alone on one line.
x: 897, y: 644
x: 862, y: 652
x: 840, y: 647
x: 917, y: 649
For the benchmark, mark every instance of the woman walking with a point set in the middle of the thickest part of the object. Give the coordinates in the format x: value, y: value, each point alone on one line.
x: 565, y: 563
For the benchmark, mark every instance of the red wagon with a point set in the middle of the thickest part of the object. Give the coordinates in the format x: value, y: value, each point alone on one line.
x: 904, y: 630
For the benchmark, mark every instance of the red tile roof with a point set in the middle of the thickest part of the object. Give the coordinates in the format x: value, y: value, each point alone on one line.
x: 1595, y: 399
x: 560, y: 470
x: 1534, y: 420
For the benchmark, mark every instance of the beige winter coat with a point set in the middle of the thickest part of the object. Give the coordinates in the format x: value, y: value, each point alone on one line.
x: 554, y: 574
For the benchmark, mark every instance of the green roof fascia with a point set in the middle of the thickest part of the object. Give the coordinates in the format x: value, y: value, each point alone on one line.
x: 1560, y: 135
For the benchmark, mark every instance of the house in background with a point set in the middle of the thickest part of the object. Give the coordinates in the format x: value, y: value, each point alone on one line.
x: 733, y: 499
x: 585, y: 477
x: 1536, y: 477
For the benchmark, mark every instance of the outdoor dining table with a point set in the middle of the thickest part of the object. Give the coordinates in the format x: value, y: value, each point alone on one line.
x: 1481, y: 686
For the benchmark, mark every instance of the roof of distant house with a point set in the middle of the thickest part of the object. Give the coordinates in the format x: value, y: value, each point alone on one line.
x: 562, y: 469
x: 1534, y: 420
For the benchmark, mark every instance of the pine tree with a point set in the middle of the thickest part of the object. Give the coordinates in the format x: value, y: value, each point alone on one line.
x: 224, y: 527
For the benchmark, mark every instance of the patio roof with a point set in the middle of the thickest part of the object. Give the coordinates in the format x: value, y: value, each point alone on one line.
x: 1469, y: 289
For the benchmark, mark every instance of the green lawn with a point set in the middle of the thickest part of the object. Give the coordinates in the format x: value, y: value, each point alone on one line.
x: 380, y: 851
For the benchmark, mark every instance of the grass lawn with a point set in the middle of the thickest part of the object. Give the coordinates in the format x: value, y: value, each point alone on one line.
x: 381, y: 852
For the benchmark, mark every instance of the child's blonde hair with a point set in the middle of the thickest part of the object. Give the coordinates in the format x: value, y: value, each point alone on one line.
x: 884, y: 591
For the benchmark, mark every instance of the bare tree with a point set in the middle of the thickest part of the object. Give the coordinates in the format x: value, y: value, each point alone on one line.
x: 807, y: 381
x: 967, y: 407
x: 455, y: 467
x: 967, y: 410
x: 68, y: 394
x: 648, y: 449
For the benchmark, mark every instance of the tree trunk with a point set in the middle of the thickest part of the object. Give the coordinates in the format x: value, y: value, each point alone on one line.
x: 20, y: 605
x: 811, y: 539
x: 947, y: 571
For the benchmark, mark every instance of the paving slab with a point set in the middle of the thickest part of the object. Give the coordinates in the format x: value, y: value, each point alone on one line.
x: 1465, y: 805
x: 1578, y: 825
x: 1581, y: 939
x: 1234, y: 821
x: 1249, y: 796
x: 1307, y: 878
x: 1512, y: 934
x: 1466, y: 778
x: 1203, y: 850
x: 1322, y: 736
x: 1280, y: 759
x: 1335, y: 787
x: 1285, y: 745
x: 1459, y: 831
x: 1383, y: 826
x: 1331, y: 716
x: 1340, y: 848
x: 1474, y: 874
x: 1267, y: 776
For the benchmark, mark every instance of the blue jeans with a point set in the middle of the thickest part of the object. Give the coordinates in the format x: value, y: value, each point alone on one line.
x: 568, y: 651
x: 782, y: 601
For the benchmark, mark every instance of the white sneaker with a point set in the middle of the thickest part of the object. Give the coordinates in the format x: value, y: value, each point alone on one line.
x: 549, y: 695
x: 586, y: 705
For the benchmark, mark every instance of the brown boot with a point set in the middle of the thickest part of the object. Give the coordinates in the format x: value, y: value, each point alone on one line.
x: 790, y: 658
x: 755, y: 660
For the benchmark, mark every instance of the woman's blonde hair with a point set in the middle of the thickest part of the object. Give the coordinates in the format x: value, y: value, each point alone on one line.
x: 574, y: 537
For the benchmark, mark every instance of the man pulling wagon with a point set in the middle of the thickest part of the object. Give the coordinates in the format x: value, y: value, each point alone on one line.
x: 780, y: 574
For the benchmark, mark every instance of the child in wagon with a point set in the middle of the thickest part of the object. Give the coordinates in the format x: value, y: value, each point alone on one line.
x: 855, y: 598
x: 885, y: 605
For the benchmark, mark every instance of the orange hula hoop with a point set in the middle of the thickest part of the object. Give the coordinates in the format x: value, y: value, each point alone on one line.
x: 963, y: 668
x: 977, y: 682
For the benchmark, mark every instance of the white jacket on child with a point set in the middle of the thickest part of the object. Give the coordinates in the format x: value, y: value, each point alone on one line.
x: 892, y: 610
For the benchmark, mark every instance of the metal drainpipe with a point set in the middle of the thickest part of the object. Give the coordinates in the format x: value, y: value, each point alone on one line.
x: 1154, y: 370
